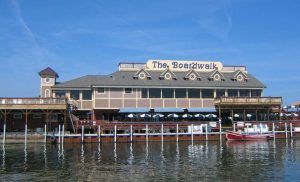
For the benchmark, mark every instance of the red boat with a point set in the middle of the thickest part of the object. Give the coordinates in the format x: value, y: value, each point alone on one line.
x: 231, y: 135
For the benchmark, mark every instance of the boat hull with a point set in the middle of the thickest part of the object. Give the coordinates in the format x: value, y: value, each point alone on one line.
x: 243, y: 136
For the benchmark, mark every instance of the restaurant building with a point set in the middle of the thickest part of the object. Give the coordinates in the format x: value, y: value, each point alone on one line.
x: 158, y: 86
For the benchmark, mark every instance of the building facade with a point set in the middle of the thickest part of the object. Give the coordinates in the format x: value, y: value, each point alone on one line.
x: 157, y: 86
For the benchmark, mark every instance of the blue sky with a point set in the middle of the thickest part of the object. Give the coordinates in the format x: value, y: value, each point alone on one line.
x: 77, y: 38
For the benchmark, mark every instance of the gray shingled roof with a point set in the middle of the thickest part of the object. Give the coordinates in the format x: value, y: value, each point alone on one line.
x: 48, y: 71
x: 125, y: 78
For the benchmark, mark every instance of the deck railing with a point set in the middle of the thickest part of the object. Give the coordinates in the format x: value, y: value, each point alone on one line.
x: 249, y: 100
x: 33, y: 101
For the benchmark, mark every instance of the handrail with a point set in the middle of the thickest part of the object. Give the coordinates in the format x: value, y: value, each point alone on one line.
x: 33, y: 101
x: 277, y: 100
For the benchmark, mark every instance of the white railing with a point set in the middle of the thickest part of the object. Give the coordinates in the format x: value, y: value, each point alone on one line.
x: 32, y: 101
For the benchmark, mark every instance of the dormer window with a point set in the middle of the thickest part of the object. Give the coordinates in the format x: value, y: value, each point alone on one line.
x: 216, y: 76
x: 192, y: 75
x: 240, y: 76
x: 142, y: 74
x: 167, y: 75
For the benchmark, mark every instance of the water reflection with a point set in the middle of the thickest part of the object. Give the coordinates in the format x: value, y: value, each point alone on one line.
x: 165, y: 161
x: 3, y: 156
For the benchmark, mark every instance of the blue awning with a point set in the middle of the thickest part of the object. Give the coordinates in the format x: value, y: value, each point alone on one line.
x: 167, y: 109
x: 134, y: 110
x: 202, y: 109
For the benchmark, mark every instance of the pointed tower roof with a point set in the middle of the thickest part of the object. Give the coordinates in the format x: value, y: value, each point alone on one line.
x: 48, y: 72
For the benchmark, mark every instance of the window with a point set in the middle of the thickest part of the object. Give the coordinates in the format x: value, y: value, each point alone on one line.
x: 60, y: 94
x: 217, y: 77
x: 142, y: 75
x: 180, y: 93
x: 37, y: 116
x: 232, y: 93
x: 192, y: 76
x: 17, y: 116
x: 255, y: 93
x: 154, y: 93
x: 47, y: 93
x: 47, y: 80
x: 100, y: 90
x: 194, y: 93
x: 74, y: 94
x: 244, y: 93
x: 240, y: 78
x: 220, y: 93
x: 128, y: 90
x: 144, y: 93
x: 86, y: 95
x: 168, y: 76
x: 167, y: 93
x: 207, y: 93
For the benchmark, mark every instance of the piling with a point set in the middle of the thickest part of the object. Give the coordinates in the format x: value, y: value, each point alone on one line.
x: 58, y: 133
x: 177, y: 132
x: 115, y: 137
x: 63, y: 134
x: 162, y: 132
x: 131, y: 133
x: 220, y: 125
x: 192, y: 132
x: 25, y: 133
x: 146, y: 132
x: 45, y: 133
x: 233, y: 126
x: 285, y: 127
x: 4, y: 133
x: 99, y: 133
x: 206, y: 136
x: 273, y: 129
x: 291, y: 129
x: 82, y: 134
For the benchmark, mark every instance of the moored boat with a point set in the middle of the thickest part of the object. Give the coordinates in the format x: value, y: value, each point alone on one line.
x: 231, y: 135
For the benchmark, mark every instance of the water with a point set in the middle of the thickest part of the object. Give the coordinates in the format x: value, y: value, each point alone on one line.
x: 154, y: 161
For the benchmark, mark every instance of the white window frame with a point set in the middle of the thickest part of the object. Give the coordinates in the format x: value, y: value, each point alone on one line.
x: 128, y: 93
x: 97, y: 90
x: 47, y: 93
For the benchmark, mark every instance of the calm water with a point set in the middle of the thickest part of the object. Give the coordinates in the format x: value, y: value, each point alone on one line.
x: 170, y: 161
